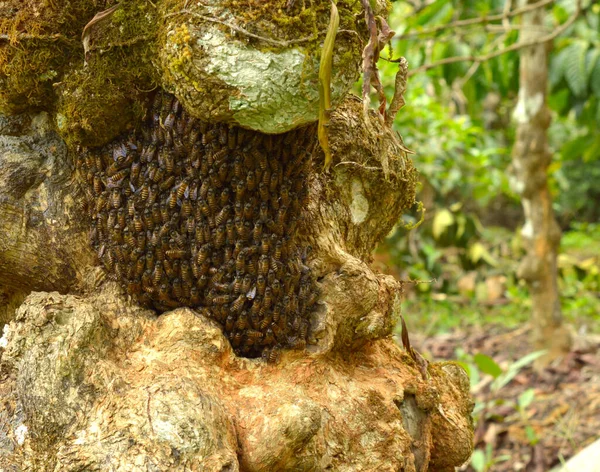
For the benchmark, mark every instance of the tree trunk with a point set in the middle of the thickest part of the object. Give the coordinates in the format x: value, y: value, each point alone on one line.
x: 531, y: 158
x: 92, y: 379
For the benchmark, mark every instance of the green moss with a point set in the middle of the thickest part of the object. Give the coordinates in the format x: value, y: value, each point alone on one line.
x: 104, y: 98
x: 43, y: 36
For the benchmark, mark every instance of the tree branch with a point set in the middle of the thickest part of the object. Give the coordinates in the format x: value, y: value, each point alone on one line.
x: 476, y: 21
x: 513, y: 47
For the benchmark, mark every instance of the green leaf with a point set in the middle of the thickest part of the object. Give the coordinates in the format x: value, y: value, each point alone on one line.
x: 438, y: 12
x: 487, y: 365
x: 526, y: 398
x: 441, y: 221
x: 560, y: 14
x: 576, y: 147
x: 595, y: 79
x: 478, y: 460
x: 575, y: 72
x: 515, y: 368
x: 531, y: 436
x: 559, y: 101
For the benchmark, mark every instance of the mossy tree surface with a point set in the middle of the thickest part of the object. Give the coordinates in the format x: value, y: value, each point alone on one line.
x: 92, y: 380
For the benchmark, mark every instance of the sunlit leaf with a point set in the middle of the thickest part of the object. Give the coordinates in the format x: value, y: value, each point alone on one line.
x: 441, y: 221
x: 575, y: 72
x: 487, y: 365
x: 515, y: 368
x: 478, y: 460
x: 595, y: 79
x: 526, y: 398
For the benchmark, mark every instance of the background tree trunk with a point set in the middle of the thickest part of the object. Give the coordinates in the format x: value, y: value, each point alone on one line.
x: 531, y: 158
x: 91, y: 381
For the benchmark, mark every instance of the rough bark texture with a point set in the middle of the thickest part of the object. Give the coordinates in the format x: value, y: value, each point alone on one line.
x: 89, y: 381
x: 97, y: 384
x: 531, y: 158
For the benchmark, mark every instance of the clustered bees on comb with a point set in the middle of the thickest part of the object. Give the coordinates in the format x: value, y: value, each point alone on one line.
x: 186, y: 213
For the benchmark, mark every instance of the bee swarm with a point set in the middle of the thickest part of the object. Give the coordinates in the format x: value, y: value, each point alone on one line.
x: 186, y: 213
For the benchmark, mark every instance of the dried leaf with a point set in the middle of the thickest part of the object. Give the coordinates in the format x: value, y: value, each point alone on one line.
x: 85, y: 35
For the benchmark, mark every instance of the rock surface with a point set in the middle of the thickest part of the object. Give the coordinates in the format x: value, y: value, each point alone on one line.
x: 95, y: 383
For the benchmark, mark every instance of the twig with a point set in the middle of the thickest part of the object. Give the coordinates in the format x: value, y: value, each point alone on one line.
x: 239, y: 29
x: 351, y: 163
x: 513, y: 47
x: 48, y: 37
x: 476, y: 21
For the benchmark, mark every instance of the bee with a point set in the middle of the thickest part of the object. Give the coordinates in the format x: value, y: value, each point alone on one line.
x: 212, y: 200
x: 214, y: 179
x: 192, y: 136
x: 240, y: 263
x: 261, y: 284
x: 222, y: 172
x: 264, y: 215
x: 172, y: 199
x: 246, y: 283
x: 268, y: 298
x: 134, y: 288
x: 230, y: 322
x: 186, y: 208
x: 221, y: 299
x: 204, y: 168
x: 97, y: 184
x: 220, y: 236
x: 120, y: 255
x: 274, y: 181
x: 202, y: 254
x: 232, y: 138
x: 240, y: 190
x: 128, y: 238
x: 163, y: 292
x: 271, y: 356
x: 115, y: 198
x: 250, y: 181
x: 194, y: 296
x: 167, y: 183
x: 253, y: 334
x: 191, y: 225
x: 210, y: 136
x: 230, y: 229
x: 185, y: 272
x: 223, y: 215
x: 276, y: 313
x: 245, y: 233
x: 182, y: 189
x: 137, y: 223
x: 176, y: 288
x: 224, y: 197
x: 237, y: 305
x: 236, y: 338
x: 147, y: 219
x: 202, y: 281
x: 157, y: 275
x: 143, y: 191
x: 223, y: 135
x: 263, y: 265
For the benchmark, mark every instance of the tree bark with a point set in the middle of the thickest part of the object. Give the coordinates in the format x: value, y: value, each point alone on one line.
x: 92, y: 381
x: 531, y: 158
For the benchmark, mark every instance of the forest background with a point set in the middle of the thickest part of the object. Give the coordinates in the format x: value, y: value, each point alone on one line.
x: 464, y: 299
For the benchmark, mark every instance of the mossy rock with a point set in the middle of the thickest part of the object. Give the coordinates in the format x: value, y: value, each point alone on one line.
x: 262, y: 74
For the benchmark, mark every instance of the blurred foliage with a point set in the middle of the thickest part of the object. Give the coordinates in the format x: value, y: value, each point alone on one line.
x: 458, y: 120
